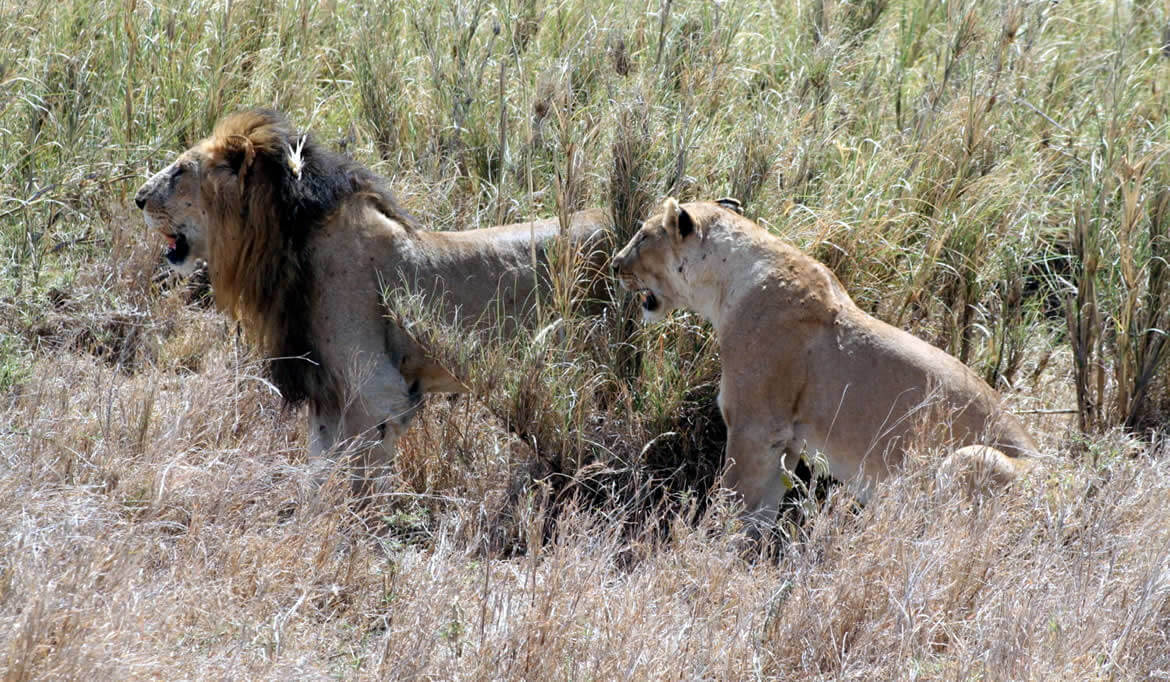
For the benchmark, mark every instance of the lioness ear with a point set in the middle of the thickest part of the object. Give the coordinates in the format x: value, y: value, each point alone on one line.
x: 239, y: 153
x: 686, y: 224
x: 676, y: 220
x: 731, y: 204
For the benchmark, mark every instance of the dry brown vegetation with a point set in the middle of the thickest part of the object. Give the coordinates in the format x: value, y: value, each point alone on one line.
x: 990, y: 176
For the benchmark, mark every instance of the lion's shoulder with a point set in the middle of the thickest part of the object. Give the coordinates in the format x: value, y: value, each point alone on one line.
x: 286, y: 190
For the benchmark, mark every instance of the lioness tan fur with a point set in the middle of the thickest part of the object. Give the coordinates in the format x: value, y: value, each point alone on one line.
x: 302, y: 244
x: 805, y: 369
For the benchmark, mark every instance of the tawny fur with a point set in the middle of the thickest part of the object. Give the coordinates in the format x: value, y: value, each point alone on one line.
x: 301, y: 245
x: 805, y: 369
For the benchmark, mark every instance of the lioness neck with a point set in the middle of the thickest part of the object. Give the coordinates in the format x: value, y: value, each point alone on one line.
x: 732, y: 270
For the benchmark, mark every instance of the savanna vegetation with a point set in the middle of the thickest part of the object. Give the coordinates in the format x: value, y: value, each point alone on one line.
x: 992, y: 176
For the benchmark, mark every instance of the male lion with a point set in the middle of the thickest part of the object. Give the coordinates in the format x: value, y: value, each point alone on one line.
x: 301, y: 245
x: 803, y: 367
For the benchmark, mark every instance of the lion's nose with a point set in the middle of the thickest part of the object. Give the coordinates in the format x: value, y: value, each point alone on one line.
x: 140, y: 199
x: 616, y: 264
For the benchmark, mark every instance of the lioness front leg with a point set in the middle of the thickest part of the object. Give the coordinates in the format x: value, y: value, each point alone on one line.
x: 756, y: 461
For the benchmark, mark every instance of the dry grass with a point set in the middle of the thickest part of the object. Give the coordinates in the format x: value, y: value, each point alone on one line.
x: 191, y: 543
x: 991, y: 176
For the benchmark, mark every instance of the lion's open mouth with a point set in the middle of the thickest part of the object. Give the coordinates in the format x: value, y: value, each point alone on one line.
x: 177, y: 248
x: 649, y: 300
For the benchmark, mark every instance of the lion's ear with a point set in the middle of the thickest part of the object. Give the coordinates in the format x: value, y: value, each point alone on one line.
x: 239, y: 153
x: 677, y: 221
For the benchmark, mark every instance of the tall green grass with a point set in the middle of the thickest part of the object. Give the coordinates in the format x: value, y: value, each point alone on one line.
x: 960, y: 165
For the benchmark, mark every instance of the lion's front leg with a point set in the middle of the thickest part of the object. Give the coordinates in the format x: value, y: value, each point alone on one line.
x: 324, y: 432
x: 371, y: 423
x: 324, y: 426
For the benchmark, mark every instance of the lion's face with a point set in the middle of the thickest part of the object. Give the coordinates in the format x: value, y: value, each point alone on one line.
x: 646, y: 265
x: 172, y: 204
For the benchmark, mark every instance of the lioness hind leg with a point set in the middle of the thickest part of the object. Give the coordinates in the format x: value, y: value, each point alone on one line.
x: 977, y: 467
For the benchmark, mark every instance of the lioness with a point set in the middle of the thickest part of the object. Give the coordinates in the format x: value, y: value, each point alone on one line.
x: 301, y: 245
x: 803, y: 367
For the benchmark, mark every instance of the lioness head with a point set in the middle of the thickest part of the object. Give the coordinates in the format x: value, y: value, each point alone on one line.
x: 648, y: 263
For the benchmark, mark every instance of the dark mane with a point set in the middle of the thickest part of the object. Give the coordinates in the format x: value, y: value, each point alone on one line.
x: 326, y: 179
x: 290, y: 186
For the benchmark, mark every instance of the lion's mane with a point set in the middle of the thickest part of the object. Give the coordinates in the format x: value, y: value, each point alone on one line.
x: 287, y: 186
